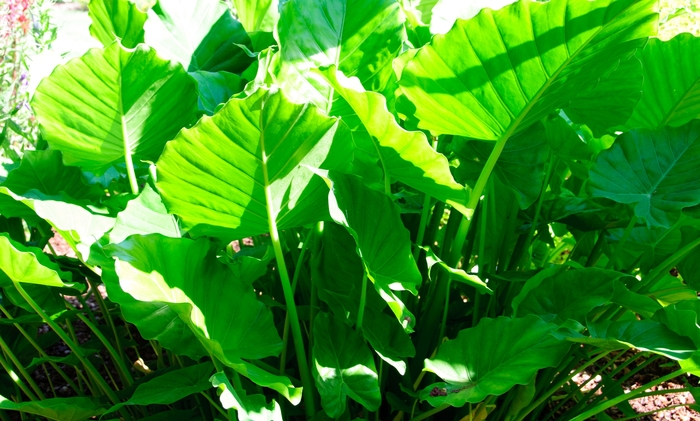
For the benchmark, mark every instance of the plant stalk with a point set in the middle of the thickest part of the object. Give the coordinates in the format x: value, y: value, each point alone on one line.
x: 72, y: 345
x: 289, y: 301
x: 295, y: 279
x: 16, y: 379
x: 21, y: 369
x: 363, y: 300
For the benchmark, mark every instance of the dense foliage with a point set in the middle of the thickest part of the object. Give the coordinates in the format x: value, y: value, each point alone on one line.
x: 25, y: 30
x: 356, y: 210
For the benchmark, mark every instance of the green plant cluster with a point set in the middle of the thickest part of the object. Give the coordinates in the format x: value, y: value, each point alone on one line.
x: 356, y: 209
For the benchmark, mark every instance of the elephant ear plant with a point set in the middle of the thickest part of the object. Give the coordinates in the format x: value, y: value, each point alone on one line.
x: 355, y: 210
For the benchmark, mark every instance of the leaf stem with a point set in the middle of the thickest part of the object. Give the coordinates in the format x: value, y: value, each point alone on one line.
x: 72, y: 345
x: 656, y: 274
x: 289, y: 298
x: 126, y: 375
x: 128, y: 159
x: 294, y: 320
x: 295, y: 279
x: 105, y: 313
x: 21, y: 369
x: 16, y: 379
x: 538, y: 208
x: 363, y: 299
x: 422, y: 226
x: 215, y: 405
x: 425, y: 212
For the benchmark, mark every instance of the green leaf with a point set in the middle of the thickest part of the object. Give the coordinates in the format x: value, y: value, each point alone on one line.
x: 568, y: 295
x: 641, y: 304
x: 29, y: 265
x: 653, y: 170
x: 620, y: 88
x: 388, y: 340
x: 44, y: 171
x: 257, y: 15
x: 80, y: 226
x: 651, y: 245
x: 645, y: 335
x: 689, y: 266
x: 116, y: 20
x: 564, y: 141
x: 96, y: 107
x: 491, y: 358
x: 170, y: 387
x: 520, y: 166
x: 512, y: 77
x: 359, y: 37
x: 144, y: 215
x: 215, y: 88
x: 249, y: 264
x: 671, y: 290
x: 337, y: 272
x: 383, y: 242
x: 223, y: 312
x: 155, y: 320
x: 261, y: 377
x: 682, y: 318
x: 342, y: 367
x: 60, y: 409
x: 671, y: 90
x: 458, y: 275
x: 405, y: 156
x: 199, y: 34
x: 215, y: 175
x: 249, y: 408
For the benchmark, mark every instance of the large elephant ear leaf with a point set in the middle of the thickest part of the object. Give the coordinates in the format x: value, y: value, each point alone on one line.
x: 645, y: 335
x: 512, y: 77
x: 671, y: 90
x: 405, y: 156
x: 223, y: 312
x: 621, y: 89
x: 114, y: 105
x: 360, y: 37
x: 116, y: 20
x: 337, y: 271
x: 653, y: 170
x: 383, y: 243
x: 28, y: 265
x: 144, y: 215
x: 155, y: 320
x: 567, y: 295
x: 343, y: 366
x: 199, y: 34
x: 232, y: 173
x: 44, y: 172
x: 170, y: 387
x: 491, y: 358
